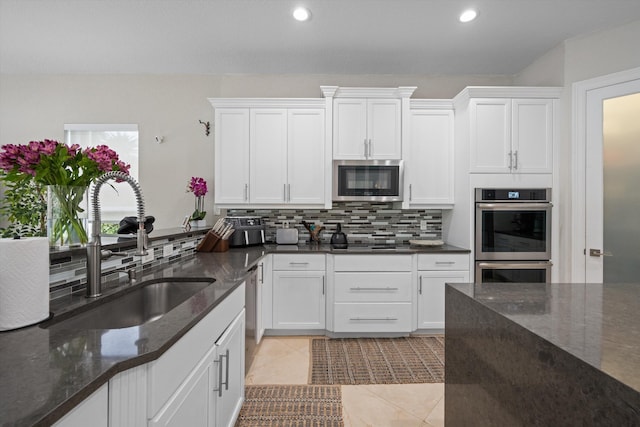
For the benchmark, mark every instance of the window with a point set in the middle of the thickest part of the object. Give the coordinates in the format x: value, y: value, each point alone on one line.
x: 118, y: 201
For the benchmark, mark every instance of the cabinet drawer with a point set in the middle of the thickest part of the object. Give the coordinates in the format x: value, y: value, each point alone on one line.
x: 443, y: 262
x: 373, y: 287
x: 372, y: 317
x: 298, y: 262
x: 372, y: 263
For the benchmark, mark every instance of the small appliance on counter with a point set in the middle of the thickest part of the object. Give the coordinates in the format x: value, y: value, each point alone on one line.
x: 287, y: 236
x: 249, y: 231
x: 339, y: 239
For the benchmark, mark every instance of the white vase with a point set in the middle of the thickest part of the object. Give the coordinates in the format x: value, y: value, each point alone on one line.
x: 198, y: 223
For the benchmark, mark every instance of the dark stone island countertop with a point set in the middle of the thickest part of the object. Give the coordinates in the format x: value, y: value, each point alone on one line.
x: 45, y: 371
x: 542, y: 354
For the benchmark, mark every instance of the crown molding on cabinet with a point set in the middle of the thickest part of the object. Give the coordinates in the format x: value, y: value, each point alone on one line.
x: 506, y: 92
x: 367, y: 92
x: 267, y: 102
x: 431, y: 104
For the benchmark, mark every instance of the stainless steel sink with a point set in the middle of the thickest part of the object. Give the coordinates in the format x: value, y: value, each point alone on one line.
x: 138, y: 306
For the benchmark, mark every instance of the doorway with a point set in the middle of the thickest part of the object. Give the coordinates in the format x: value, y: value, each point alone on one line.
x: 610, y: 149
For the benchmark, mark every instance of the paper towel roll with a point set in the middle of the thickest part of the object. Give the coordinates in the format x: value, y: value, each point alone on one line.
x: 24, y: 281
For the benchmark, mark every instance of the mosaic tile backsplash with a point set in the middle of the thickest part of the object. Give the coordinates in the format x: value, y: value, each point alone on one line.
x: 362, y: 222
x: 69, y: 275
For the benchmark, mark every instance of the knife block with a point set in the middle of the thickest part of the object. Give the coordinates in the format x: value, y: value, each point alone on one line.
x: 221, y: 246
x: 209, y: 242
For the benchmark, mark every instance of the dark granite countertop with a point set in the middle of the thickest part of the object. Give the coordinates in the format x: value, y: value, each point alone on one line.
x: 597, y: 323
x: 365, y: 249
x: 45, y: 372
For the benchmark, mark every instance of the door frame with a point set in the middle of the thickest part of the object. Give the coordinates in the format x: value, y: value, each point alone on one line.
x: 580, y: 91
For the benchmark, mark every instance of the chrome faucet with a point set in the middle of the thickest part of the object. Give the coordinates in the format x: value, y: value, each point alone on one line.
x: 95, y: 254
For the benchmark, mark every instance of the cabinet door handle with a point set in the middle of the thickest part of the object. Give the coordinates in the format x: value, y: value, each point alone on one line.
x: 445, y: 262
x: 288, y: 192
x: 246, y: 192
x: 374, y: 318
x: 386, y: 288
x: 365, y: 148
x: 298, y: 263
x: 370, y: 148
x: 420, y: 288
x: 261, y: 272
x: 515, y: 162
x: 322, y: 285
x: 226, y: 375
x: 219, y: 389
x: 410, y: 192
x: 284, y: 192
x: 510, y: 160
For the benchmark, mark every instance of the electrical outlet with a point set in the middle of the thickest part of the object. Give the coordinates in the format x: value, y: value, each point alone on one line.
x: 423, y: 224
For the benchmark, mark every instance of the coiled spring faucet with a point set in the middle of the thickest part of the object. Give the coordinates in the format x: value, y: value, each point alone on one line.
x: 95, y: 254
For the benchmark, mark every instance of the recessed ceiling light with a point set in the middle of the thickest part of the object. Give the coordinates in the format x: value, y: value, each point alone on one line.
x: 468, y: 15
x: 301, y: 14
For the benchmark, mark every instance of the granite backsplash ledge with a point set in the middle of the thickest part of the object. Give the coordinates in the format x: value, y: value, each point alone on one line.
x: 363, y: 222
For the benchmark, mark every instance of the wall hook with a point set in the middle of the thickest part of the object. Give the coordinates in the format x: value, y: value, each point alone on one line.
x: 207, y: 127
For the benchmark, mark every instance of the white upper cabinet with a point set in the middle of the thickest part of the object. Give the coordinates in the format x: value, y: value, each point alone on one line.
x: 511, y: 135
x: 429, y: 159
x: 367, y: 122
x: 270, y: 152
x: 367, y: 129
x: 231, y: 156
x: 532, y: 135
x: 268, y: 155
x: 306, y: 156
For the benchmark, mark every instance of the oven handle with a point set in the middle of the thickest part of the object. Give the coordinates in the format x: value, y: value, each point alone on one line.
x: 497, y: 265
x: 504, y: 206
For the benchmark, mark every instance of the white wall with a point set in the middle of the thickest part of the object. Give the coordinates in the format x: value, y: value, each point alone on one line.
x: 34, y: 107
x: 578, y: 59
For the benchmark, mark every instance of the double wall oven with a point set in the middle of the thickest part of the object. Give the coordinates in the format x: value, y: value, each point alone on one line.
x: 513, y: 235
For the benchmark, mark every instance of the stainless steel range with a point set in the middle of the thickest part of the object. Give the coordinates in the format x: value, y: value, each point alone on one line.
x: 513, y: 235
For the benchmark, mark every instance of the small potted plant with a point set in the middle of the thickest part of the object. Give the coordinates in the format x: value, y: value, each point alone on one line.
x: 198, y: 186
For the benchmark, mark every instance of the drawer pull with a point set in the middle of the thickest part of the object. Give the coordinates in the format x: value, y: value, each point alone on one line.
x: 298, y: 263
x: 387, y: 288
x: 374, y: 318
x: 445, y: 262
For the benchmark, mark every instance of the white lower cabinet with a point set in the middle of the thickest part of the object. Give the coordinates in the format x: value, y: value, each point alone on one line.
x: 298, y: 291
x: 93, y: 411
x: 213, y: 392
x: 198, y: 381
x: 372, y: 293
x: 192, y: 404
x: 229, y: 374
x: 434, y: 271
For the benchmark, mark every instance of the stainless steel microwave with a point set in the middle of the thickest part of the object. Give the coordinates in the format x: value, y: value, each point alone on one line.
x: 369, y: 180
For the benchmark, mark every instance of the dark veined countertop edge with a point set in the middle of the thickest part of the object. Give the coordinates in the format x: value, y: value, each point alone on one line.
x: 230, y: 278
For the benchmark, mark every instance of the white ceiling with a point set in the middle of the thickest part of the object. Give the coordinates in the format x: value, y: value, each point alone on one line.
x: 259, y: 36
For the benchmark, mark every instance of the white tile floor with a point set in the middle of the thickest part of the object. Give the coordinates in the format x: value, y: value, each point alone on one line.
x: 285, y: 360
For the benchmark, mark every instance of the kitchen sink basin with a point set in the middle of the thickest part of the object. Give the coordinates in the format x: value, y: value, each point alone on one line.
x: 142, y: 304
